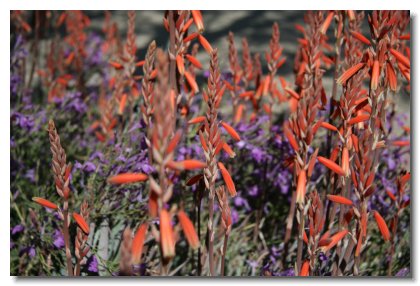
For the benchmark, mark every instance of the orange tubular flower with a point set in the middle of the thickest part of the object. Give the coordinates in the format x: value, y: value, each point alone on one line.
x: 345, y: 163
x: 301, y: 187
x: 45, y: 203
x: 138, y: 242
x: 189, y: 230
x: 375, y: 75
x: 383, y: 228
x: 229, y: 129
x: 126, y: 178
x: 228, y: 179
x: 198, y: 20
x: 305, y: 269
x: 331, y: 165
x: 166, y: 235
x: 81, y: 222
x: 340, y: 200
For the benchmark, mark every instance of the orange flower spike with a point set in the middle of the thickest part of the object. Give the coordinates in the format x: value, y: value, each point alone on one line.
x: 345, y: 163
x: 360, y: 37
x: 189, y: 230
x: 327, y: 22
x: 197, y: 119
x: 400, y: 57
x: 198, y: 20
x: 166, y: 235
x: 340, y: 200
x: 194, y: 61
x: 126, y: 178
x: 229, y: 129
x: 81, y: 223
x: 349, y: 73
x: 305, y: 269
x: 138, y: 243
x: 228, y: 179
x: 383, y: 228
x: 123, y: 102
x: 375, y: 75
x: 45, y: 203
x: 301, y: 187
x: 206, y: 45
x: 191, y: 81
x: 180, y: 64
x: 331, y: 165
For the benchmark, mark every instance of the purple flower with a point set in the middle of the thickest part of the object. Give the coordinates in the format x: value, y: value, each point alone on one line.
x: 93, y: 264
x: 58, y: 239
x: 31, y: 252
x: 30, y: 175
x: 403, y: 272
x: 17, y: 228
x: 89, y: 167
x: 23, y: 121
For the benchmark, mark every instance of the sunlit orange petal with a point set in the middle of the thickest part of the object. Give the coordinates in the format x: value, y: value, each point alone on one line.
x: 45, y: 203
x: 345, y: 163
x: 375, y: 75
x: 138, y: 242
x: 166, y: 235
x: 340, y: 200
x: 186, y: 165
x: 174, y: 142
x: 126, y: 178
x: 305, y: 269
x: 81, y: 222
x: 198, y: 20
x: 194, y: 61
x: 189, y: 230
x: 383, y: 228
x: 349, y: 73
x: 229, y: 129
x: 191, y: 81
x: 228, y: 150
x: 327, y: 22
x: 123, y: 101
x: 180, y: 64
x: 400, y: 57
x: 228, y: 179
x: 360, y: 37
x: 328, y: 126
x: 206, y: 45
x: 331, y: 165
x: 358, y: 119
x: 301, y: 187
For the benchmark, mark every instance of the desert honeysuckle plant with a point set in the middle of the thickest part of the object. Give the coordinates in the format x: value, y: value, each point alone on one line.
x: 185, y: 154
